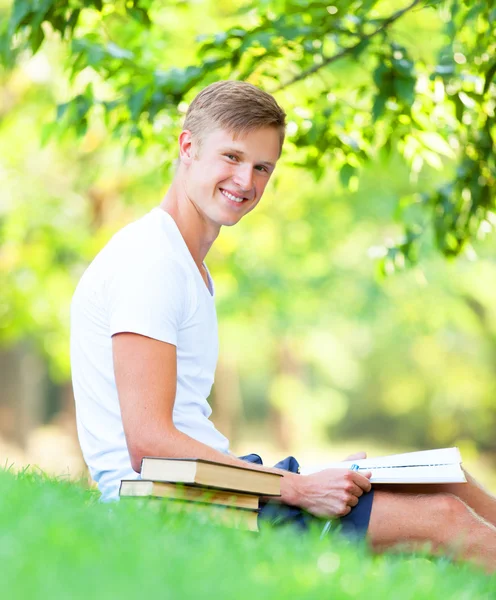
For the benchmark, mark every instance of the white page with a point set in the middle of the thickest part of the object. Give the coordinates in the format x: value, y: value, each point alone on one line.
x: 437, y: 474
x: 423, y: 457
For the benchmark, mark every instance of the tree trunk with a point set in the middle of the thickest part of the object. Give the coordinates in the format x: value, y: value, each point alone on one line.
x: 227, y: 405
x: 22, y: 397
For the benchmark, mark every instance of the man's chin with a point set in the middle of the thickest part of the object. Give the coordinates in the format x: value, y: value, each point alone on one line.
x: 230, y: 222
x: 229, y: 219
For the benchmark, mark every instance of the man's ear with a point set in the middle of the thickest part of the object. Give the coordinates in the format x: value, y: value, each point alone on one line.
x: 186, y: 147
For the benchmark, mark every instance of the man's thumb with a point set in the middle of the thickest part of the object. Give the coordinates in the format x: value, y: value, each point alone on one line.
x: 357, y: 456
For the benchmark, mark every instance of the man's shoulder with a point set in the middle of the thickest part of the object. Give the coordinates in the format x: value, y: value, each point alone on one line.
x: 139, y: 254
x: 147, y: 231
x: 147, y: 240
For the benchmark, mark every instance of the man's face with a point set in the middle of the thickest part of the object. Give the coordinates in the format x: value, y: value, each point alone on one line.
x: 226, y: 176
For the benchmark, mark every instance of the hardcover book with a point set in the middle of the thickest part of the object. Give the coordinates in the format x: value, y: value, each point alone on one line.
x: 211, y: 474
x: 176, y: 491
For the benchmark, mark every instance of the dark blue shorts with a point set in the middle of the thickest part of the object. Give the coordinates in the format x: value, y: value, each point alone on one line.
x: 353, y: 525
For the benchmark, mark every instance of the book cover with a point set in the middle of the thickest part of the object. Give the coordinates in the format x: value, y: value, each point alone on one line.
x: 177, y: 491
x: 211, y: 474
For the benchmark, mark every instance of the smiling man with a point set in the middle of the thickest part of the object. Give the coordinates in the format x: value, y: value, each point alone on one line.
x: 144, y: 342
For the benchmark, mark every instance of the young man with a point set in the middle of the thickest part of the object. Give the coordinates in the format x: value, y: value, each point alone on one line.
x: 144, y: 342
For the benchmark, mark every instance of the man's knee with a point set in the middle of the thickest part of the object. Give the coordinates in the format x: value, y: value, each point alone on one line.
x: 450, y: 515
x: 449, y: 507
x: 434, y: 518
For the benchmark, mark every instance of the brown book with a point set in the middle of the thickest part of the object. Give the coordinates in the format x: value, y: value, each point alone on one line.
x: 211, y: 474
x: 211, y: 514
x: 177, y: 491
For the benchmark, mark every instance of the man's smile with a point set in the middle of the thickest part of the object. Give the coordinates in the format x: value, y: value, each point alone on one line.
x: 234, y: 197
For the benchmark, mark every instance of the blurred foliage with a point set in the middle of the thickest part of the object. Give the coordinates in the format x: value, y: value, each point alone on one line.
x: 391, y: 138
x: 354, y: 81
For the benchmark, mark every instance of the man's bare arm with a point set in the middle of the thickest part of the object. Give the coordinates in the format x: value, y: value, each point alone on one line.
x: 146, y: 372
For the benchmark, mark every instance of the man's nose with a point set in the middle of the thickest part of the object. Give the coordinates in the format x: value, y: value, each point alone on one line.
x: 244, y: 177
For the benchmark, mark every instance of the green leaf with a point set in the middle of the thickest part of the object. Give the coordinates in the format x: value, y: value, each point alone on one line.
x: 459, y: 107
x: 36, y: 39
x: 435, y: 142
x: 378, y: 107
x: 136, y: 101
x: 73, y: 19
x: 139, y: 14
x: 489, y: 77
x: 237, y: 32
x: 432, y: 159
x: 21, y: 9
x: 45, y: 10
x: 473, y: 13
x: 61, y: 110
x: 346, y: 173
x: 117, y: 52
x: 90, y: 53
x: 403, y: 67
x: 47, y: 131
x: 405, y: 90
x: 264, y: 39
x: 379, y: 75
x: 220, y: 38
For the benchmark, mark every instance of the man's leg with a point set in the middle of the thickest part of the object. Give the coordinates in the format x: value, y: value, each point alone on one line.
x: 445, y: 522
x: 472, y: 493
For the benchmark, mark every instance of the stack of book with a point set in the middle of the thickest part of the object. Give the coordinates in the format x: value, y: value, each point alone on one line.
x: 226, y: 494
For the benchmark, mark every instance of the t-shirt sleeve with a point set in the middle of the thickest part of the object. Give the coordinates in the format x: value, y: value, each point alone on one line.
x: 148, y: 298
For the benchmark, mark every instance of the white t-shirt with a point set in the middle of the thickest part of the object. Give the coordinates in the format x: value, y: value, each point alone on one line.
x: 144, y: 281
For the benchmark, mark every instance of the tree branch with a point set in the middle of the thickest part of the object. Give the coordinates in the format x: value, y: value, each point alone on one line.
x: 335, y: 57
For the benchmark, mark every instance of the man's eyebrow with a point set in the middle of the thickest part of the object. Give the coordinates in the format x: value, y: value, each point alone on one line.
x: 240, y: 153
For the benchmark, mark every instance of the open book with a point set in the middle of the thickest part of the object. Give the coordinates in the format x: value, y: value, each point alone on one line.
x: 427, y: 466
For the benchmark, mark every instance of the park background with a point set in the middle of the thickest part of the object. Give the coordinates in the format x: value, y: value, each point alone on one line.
x: 355, y: 304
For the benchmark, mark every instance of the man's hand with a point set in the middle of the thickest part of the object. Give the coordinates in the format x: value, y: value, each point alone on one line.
x: 329, y: 493
x: 357, y: 456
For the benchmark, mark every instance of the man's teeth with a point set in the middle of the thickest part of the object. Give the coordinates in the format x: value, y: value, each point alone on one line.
x: 231, y: 197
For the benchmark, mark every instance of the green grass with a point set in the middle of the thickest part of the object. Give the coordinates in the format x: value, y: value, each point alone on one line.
x: 58, y: 541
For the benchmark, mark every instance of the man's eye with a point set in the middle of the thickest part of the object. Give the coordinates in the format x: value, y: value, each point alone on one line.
x: 262, y: 168
x: 231, y: 157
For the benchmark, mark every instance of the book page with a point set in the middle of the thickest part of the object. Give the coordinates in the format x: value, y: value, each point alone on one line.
x: 421, y: 458
x: 431, y: 474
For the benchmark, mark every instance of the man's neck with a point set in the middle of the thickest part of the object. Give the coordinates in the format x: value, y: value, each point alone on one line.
x: 197, y: 232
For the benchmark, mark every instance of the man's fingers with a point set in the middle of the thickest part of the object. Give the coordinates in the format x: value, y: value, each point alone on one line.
x: 353, y: 501
x: 362, y: 481
x: 356, y: 491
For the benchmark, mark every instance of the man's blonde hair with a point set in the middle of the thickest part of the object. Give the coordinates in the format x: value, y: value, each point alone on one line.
x: 237, y: 106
